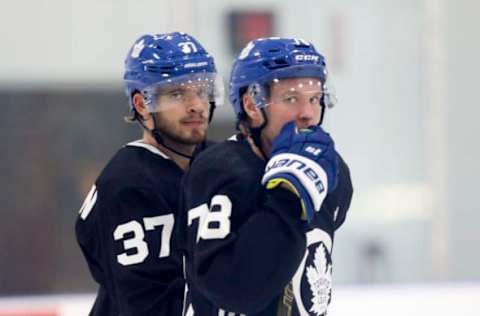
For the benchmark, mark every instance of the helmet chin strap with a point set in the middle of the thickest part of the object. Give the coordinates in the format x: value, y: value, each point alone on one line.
x: 159, y: 139
x: 322, y: 112
x: 256, y: 132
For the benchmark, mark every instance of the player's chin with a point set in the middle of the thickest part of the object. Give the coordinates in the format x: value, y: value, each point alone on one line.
x: 195, y: 137
x: 195, y: 128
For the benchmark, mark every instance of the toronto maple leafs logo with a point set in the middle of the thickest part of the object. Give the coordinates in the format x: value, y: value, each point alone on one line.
x: 137, y: 48
x: 312, y: 283
x: 246, y: 50
x: 319, y: 277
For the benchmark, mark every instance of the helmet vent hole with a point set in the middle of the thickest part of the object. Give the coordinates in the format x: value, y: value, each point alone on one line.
x: 281, y: 62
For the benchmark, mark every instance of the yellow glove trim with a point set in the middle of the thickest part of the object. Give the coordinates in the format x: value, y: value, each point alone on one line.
x: 273, y: 183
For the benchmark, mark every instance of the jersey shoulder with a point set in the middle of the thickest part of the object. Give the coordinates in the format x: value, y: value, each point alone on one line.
x: 138, y: 165
x: 232, y: 157
x: 229, y: 169
x: 136, y: 182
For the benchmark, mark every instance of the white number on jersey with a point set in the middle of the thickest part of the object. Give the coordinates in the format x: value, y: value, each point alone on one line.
x: 167, y: 222
x: 221, y: 312
x: 89, y: 203
x: 138, y: 243
x: 214, y: 221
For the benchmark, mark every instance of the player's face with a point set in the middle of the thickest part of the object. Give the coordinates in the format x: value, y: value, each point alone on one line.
x: 296, y: 99
x: 182, y: 114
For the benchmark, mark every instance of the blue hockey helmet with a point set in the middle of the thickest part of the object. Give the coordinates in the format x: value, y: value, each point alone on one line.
x: 266, y: 60
x: 165, y: 59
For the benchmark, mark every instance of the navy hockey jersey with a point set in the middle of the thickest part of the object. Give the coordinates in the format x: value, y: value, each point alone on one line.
x: 247, y: 251
x: 125, y: 230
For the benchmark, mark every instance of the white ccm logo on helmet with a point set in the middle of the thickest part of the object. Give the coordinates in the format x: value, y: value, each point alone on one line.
x: 306, y: 58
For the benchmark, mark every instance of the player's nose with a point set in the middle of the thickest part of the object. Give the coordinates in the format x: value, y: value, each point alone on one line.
x: 196, y: 103
x: 306, y: 114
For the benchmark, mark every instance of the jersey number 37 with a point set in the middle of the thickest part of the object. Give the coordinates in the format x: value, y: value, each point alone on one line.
x: 137, y: 241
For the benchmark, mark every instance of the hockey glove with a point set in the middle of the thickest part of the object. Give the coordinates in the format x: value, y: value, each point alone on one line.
x: 306, y: 163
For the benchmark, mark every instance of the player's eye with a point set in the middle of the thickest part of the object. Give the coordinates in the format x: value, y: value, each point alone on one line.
x: 290, y: 99
x: 176, y: 94
x: 315, y: 99
x: 203, y: 93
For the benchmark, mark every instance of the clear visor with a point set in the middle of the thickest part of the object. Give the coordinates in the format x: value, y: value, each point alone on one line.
x: 293, y: 92
x: 197, y: 89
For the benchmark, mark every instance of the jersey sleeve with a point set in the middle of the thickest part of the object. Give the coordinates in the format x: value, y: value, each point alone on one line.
x: 339, y: 200
x: 243, y: 243
x: 127, y: 240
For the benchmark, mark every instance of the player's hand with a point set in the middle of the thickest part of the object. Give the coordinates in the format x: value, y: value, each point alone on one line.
x: 305, y: 162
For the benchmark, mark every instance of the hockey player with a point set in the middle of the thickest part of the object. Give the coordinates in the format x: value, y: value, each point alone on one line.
x: 261, y: 209
x: 126, y: 222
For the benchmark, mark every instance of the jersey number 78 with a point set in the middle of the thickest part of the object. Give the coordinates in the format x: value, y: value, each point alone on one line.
x: 213, y: 221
